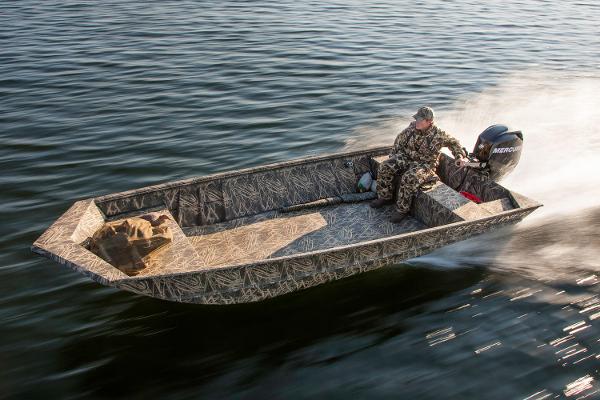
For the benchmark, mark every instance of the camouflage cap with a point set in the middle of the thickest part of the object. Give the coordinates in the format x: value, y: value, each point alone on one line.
x: 424, y: 113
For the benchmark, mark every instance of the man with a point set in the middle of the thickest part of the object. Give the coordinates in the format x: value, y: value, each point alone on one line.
x: 413, y: 158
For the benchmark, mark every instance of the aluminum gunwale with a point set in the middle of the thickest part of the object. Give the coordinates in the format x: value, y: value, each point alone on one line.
x: 239, y: 172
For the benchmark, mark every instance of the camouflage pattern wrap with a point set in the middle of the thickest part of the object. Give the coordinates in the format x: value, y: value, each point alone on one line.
x: 409, y: 184
x: 414, y: 158
x: 236, y: 245
x: 425, y: 113
x: 412, y: 176
x: 424, y: 147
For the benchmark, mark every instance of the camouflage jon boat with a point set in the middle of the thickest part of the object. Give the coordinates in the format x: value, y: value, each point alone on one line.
x: 252, y: 234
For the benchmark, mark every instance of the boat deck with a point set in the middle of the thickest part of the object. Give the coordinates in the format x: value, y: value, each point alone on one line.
x: 276, y: 234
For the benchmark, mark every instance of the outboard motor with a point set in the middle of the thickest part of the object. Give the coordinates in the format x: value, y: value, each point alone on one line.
x: 497, y: 151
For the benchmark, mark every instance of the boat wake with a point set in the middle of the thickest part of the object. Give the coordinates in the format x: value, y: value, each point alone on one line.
x: 557, y: 248
x: 559, y: 118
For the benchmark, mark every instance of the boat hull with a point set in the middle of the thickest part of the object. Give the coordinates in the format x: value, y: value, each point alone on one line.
x: 270, y: 278
x: 182, y: 275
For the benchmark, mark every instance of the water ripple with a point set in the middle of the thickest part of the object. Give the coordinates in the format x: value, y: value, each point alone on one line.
x: 99, y: 97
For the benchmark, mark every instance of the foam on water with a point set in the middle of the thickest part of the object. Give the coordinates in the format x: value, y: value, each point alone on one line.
x: 558, y: 168
x: 100, y: 97
x: 559, y: 118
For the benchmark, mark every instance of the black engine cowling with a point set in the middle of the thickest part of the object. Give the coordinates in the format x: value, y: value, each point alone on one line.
x: 498, y: 149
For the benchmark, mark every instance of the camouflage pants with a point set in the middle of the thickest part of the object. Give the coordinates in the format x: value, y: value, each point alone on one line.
x: 412, y: 176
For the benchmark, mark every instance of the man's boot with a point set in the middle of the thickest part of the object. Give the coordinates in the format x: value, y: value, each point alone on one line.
x: 378, y: 203
x: 397, y: 217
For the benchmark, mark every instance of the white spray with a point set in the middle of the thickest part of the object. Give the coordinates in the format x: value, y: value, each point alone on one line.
x: 559, y: 167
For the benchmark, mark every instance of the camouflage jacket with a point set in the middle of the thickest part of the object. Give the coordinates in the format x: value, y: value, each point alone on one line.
x: 424, y: 147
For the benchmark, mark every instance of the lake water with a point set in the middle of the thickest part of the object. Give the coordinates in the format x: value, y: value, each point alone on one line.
x: 100, y: 97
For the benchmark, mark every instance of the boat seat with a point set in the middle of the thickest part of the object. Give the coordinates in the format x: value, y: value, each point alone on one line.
x: 442, y: 205
x: 375, y: 163
x: 438, y: 204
